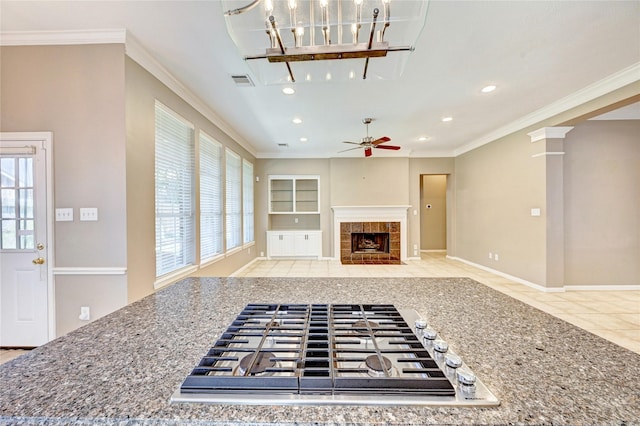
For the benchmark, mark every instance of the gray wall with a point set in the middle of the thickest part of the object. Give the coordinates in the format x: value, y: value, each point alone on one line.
x: 602, y: 203
x: 77, y: 92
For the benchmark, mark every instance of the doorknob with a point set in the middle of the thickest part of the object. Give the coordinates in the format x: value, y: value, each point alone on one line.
x: 38, y: 261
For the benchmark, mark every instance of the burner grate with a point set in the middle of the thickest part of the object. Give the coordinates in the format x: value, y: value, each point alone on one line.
x: 318, y: 349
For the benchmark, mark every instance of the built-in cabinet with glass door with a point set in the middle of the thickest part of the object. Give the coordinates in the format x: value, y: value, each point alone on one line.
x: 294, y: 216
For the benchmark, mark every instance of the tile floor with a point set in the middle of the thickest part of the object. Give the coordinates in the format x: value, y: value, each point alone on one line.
x: 613, y: 315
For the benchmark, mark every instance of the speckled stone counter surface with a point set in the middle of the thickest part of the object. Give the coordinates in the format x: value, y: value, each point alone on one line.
x: 123, y: 368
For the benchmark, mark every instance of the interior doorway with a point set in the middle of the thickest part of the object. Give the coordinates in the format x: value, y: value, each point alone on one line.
x: 433, y: 212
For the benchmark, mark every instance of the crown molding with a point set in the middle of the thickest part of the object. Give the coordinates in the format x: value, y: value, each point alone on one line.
x: 549, y: 133
x: 43, y: 38
x: 615, y: 81
x: 133, y: 49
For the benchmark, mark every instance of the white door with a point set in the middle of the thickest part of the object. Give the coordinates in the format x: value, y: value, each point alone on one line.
x: 25, y: 291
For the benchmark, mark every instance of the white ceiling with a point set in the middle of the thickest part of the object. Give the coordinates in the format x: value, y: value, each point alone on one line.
x: 538, y: 53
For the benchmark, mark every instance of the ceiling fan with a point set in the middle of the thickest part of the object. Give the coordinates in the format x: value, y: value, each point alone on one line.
x: 368, y: 142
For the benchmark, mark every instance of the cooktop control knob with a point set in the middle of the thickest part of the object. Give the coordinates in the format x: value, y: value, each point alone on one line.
x: 429, y: 333
x: 466, y: 377
x: 440, y: 346
x: 421, y: 323
x: 452, y: 360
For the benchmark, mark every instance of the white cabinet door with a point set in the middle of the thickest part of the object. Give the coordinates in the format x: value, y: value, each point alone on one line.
x: 307, y: 243
x: 294, y: 244
x: 280, y: 244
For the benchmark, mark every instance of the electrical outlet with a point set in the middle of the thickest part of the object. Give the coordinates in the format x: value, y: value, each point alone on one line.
x: 64, y: 215
x: 495, y: 257
x: 85, y: 313
x: 490, y: 255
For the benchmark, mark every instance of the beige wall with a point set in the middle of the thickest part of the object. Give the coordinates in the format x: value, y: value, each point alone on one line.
x: 142, y: 90
x: 369, y: 181
x: 77, y: 92
x: 317, y: 167
x: 602, y: 203
x: 496, y: 187
x: 433, y: 219
x: 430, y: 166
x: 100, y: 107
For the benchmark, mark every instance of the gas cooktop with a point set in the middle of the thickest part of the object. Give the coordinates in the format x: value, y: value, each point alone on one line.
x: 332, y: 354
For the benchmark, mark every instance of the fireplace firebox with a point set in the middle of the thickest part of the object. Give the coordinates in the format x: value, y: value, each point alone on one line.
x: 370, y: 242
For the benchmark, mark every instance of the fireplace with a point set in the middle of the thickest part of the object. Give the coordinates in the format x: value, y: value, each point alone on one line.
x: 391, y: 220
x: 364, y: 243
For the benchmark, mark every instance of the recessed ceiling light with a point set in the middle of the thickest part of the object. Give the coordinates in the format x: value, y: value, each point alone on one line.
x: 297, y: 120
x: 488, y: 89
x: 288, y: 91
x: 423, y: 138
x: 445, y: 119
x: 303, y: 139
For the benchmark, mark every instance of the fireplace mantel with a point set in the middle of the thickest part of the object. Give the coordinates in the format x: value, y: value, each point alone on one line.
x: 370, y: 214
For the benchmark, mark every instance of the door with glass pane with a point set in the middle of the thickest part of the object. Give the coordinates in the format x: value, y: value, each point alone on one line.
x: 24, y: 286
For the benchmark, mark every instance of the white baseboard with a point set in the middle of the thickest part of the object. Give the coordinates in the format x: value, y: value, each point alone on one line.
x: 73, y: 270
x: 602, y: 287
x: 510, y: 277
x: 553, y: 289
x: 237, y: 271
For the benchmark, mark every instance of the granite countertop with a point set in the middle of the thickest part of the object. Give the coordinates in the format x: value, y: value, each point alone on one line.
x: 123, y: 368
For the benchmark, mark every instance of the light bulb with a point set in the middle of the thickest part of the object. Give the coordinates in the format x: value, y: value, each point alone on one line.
x: 268, y: 5
x: 357, y: 2
x: 300, y: 31
x: 324, y: 3
x: 292, y: 4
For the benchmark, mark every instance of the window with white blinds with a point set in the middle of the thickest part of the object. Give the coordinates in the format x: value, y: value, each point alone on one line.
x: 174, y: 187
x: 233, y: 206
x: 247, y: 202
x: 211, y: 209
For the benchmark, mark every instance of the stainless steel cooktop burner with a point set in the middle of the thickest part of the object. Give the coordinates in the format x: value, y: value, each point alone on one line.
x: 340, y: 354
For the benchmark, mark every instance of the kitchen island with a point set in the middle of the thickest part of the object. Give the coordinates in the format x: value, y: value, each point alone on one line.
x: 123, y: 368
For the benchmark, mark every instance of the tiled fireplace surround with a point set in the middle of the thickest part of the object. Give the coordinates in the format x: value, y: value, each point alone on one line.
x: 356, y: 219
x: 348, y: 228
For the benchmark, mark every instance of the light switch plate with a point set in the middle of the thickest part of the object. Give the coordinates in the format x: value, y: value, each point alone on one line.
x: 535, y: 212
x: 89, y: 214
x: 64, y: 215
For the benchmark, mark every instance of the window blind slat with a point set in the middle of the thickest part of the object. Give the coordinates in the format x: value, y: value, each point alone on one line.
x: 211, y: 229
x: 174, y: 198
x: 233, y: 200
x: 247, y: 202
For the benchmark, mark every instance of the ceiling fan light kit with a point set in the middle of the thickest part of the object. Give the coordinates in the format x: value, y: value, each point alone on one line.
x: 307, y: 32
x: 369, y: 142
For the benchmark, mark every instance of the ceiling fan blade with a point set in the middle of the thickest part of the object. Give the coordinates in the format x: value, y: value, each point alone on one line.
x: 355, y: 143
x: 367, y: 152
x: 394, y: 147
x: 350, y: 149
x: 381, y: 140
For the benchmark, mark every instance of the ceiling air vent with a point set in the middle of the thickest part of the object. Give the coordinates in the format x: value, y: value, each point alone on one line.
x: 242, y: 80
x: 283, y: 145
